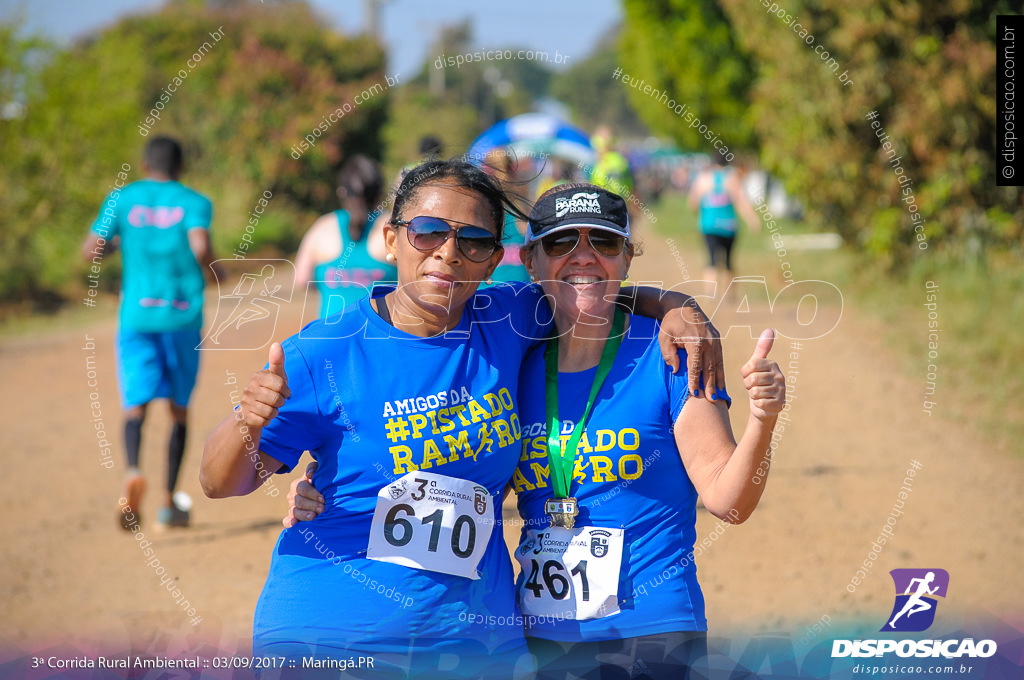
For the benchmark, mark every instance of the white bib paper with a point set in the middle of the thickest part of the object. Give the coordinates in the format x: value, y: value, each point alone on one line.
x: 570, y: 573
x: 433, y: 522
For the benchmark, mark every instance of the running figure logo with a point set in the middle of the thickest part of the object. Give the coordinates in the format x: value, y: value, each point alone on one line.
x: 258, y: 296
x: 916, y: 592
x: 485, y: 442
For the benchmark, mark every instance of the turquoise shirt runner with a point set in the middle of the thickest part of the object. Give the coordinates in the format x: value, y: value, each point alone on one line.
x: 162, y: 283
x: 717, y: 214
x: 349, y: 277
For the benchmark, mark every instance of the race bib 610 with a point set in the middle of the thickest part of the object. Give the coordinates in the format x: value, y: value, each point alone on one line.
x: 434, y: 522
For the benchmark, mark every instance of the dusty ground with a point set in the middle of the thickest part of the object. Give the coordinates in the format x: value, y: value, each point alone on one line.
x: 71, y: 576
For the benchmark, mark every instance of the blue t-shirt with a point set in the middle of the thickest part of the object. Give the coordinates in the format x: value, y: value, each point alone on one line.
x: 628, y: 474
x: 162, y: 283
x: 372, y: 403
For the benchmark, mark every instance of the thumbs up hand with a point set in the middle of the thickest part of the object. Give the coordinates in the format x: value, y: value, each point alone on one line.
x: 266, y: 391
x: 276, y: 361
x: 764, y: 381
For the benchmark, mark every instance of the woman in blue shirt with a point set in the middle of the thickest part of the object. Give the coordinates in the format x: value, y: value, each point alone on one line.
x: 620, y: 587
x: 409, y: 403
x: 608, y: 580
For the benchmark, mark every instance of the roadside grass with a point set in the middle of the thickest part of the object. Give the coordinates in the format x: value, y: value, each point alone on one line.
x: 979, y: 307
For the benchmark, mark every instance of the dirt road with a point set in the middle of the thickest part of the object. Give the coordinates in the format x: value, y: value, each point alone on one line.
x: 70, y: 575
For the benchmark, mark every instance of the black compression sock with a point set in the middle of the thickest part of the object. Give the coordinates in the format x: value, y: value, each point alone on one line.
x: 133, y: 440
x: 175, y: 454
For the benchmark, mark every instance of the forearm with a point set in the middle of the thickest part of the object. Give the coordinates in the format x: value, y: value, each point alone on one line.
x: 751, y: 218
x: 229, y: 460
x: 737, y: 489
x: 209, y: 264
x: 208, y: 261
x: 91, y: 248
x: 743, y: 206
x: 202, y: 250
x: 653, y: 302
x: 89, y: 252
x: 304, y: 265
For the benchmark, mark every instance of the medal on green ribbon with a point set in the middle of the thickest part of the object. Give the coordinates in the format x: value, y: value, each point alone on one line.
x: 562, y: 461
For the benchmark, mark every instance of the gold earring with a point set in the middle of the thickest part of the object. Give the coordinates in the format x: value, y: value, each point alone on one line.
x: 390, y: 257
x: 488, y: 280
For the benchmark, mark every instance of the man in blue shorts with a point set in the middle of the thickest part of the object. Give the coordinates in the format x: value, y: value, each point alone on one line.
x: 162, y: 229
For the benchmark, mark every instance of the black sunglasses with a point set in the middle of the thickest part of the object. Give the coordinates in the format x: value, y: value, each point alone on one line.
x: 428, y: 233
x: 564, y: 242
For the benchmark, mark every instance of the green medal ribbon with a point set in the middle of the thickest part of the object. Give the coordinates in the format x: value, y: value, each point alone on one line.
x: 561, y: 465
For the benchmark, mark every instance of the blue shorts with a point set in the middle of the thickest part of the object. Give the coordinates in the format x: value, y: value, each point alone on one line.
x: 157, y: 365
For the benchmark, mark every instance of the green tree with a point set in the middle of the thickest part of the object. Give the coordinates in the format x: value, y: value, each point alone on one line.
x: 61, y: 152
x: 928, y: 69
x: 252, y: 95
x: 688, y: 49
x: 593, y: 96
x: 416, y: 113
x: 457, y: 101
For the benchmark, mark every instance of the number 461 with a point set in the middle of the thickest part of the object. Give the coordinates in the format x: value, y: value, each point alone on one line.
x: 557, y: 584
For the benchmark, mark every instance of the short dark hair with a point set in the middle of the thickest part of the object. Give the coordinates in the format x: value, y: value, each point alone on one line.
x: 164, y: 155
x: 361, y: 177
x: 461, y: 174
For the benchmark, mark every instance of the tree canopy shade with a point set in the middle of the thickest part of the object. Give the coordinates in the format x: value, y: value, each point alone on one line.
x: 240, y: 83
x: 689, y: 49
x: 797, y: 79
x: 594, y: 97
x: 928, y: 69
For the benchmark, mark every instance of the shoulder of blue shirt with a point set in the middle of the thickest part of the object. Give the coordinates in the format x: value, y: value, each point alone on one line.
x: 647, y: 330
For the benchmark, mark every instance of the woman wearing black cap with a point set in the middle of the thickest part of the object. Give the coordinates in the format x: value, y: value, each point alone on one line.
x: 615, y: 456
x: 609, y: 501
x: 408, y: 400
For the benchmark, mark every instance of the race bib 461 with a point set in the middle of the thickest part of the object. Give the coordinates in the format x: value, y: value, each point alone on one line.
x: 570, y: 573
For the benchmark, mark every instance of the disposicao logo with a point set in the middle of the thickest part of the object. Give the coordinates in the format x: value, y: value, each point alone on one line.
x: 917, y: 593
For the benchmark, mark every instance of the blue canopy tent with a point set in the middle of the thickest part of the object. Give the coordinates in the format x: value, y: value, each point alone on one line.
x: 533, y: 135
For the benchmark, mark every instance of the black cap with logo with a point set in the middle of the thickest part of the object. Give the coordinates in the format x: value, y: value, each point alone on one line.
x: 571, y: 206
